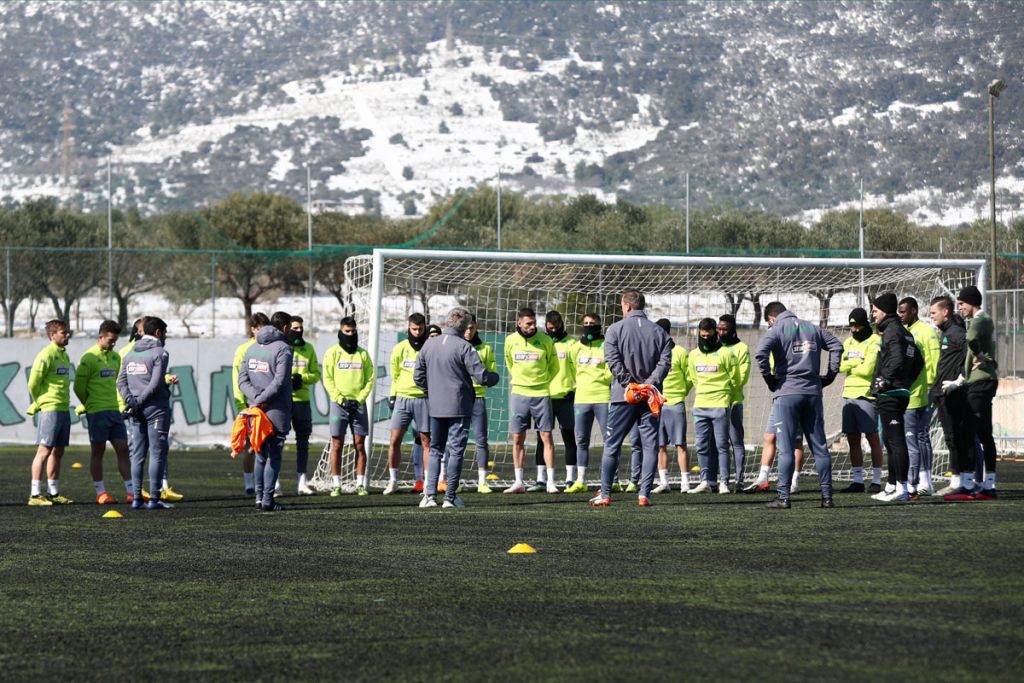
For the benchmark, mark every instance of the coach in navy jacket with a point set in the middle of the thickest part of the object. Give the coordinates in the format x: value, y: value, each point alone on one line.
x: 796, y: 347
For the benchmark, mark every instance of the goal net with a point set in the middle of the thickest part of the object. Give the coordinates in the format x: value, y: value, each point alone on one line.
x: 391, y: 284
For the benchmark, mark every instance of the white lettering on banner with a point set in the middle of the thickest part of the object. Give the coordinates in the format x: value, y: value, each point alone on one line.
x: 257, y: 365
x: 526, y: 356
x: 350, y: 365
x: 135, y: 368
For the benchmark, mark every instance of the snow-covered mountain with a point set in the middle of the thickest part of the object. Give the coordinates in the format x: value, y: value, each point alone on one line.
x: 782, y: 106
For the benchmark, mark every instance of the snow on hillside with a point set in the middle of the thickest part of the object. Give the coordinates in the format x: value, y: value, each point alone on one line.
x: 480, y: 141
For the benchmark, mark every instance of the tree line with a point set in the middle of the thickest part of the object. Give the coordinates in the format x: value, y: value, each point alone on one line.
x: 254, y: 247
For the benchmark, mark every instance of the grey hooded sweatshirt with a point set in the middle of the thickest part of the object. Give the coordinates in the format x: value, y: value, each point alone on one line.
x: 141, y: 380
x: 266, y: 377
x: 796, y: 346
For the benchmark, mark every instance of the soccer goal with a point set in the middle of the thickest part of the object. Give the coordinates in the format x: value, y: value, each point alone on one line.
x: 391, y: 284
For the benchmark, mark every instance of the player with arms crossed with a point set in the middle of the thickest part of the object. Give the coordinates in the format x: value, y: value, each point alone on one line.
x: 672, y: 421
x: 532, y: 361
x: 407, y: 401
x: 741, y: 352
x: 562, y: 390
x: 860, y: 352
x: 593, y: 392
x: 348, y: 379
x: 305, y: 375
x: 715, y: 374
x: 918, y: 417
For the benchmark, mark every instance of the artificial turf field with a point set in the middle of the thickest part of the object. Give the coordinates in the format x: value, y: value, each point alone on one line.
x: 697, y: 587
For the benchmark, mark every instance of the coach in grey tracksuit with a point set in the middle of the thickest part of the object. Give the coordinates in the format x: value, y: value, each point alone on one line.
x: 141, y: 383
x: 636, y: 350
x: 445, y: 370
x: 266, y: 380
x: 797, y: 382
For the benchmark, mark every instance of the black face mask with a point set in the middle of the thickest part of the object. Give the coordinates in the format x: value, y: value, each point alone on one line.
x: 134, y: 336
x: 476, y: 340
x: 709, y: 345
x: 417, y: 342
x: 348, y: 342
x: 523, y: 334
x: 731, y: 338
x: 863, y: 334
x: 591, y: 333
x: 294, y: 337
x: 558, y: 334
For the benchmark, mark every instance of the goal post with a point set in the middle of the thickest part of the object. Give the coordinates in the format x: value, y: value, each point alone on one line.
x: 389, y: 285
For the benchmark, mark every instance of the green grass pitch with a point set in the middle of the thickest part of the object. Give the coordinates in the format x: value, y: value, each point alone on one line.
x: 373, y: 589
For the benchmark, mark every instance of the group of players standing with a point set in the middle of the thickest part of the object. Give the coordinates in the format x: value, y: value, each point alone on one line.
x: 632, y: 380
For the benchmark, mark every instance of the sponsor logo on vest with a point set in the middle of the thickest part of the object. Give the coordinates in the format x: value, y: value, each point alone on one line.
x: 300, y: 363
x: 257, y: 365
x: 590, y: 360
x: 408, y: 364
x: 805, y: 346
x: 107, y: 372
x: 350, y: 365
x: 706, y: 368
x: 63, y: 370
x: 854, y: 354
x: 526, y: 356
x: 134, y: 368
x: 561, y: 355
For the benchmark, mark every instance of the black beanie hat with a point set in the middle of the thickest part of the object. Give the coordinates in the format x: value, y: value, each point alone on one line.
x: 859, y: 316
x: 664, y: 324
x: 970, y: 295
x: 886, y: 303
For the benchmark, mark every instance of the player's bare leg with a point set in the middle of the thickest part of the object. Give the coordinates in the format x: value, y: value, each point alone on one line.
x: 362, y: 485
x: 683, y: 458
x: 549, y: 459
x: 337, y: 442
x: 518, y: 457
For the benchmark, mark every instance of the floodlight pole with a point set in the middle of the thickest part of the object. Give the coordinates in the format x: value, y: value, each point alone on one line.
x: 687, y: 250
x: 499, y: 208
x: 309, y: 242
x: 860, y: 231
x: 995, y: 88
x: 110, y: 246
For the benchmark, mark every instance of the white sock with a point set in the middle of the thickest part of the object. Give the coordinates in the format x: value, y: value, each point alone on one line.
x: 967, y: 479
x: 248, y: 477
x: 890, y: 487
x: 796, y: 480
x: 990, y: 480
x: 540, y: 472
x: 393, y: 474
x: 551, y: 476
x: 99, y: 486
x: 481, y: 475
x: 336, y: 479
x: 663, y: 477
x: 901, y: 488
x: 858, y: 475
x: 581, y: 473
x: 37, y: 486
x: 954, y: 481
x: 570, y: 472
x: 762, y: 475
x: 51, y: 486
x: 926, y: 480
x: 684, y: 484
x: 361, y: 480
x: 129, y: 487
x: 166, y: 484
x: 519, y: 475
x: 911, y: 488
x: 876, y: 475
x: 301, y: 476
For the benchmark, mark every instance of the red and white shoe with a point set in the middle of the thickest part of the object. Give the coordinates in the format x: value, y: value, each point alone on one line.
x: 106, y: 499
x: 600, y: 501
x: 645, y: 502
x: 418, y: 486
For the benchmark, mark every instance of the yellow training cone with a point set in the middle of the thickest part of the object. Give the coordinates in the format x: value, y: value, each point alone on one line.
x: 949, y: 474
x: 113, y: 514
x: 695, y: 468
x: 76, y: 466
x: 492, y: 477
x: 490, y: 464
x: 521, y: 548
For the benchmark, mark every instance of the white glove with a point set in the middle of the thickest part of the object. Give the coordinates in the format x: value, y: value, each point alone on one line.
x: 952, y: 385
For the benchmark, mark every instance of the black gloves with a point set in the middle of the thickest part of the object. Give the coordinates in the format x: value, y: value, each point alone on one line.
x: 391, y: 403
x: 296, y: 382
x: 827, y: 379
x: 350, y: 405
x: 771, y: 382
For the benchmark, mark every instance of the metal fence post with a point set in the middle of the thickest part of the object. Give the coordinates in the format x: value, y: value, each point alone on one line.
x: 213, y: 296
